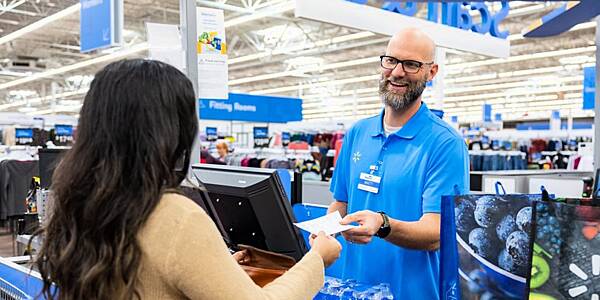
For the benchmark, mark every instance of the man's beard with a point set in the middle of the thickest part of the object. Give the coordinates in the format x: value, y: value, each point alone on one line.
x: 401, y: 102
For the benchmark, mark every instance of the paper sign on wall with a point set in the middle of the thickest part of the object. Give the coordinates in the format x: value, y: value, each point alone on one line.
x: 164, y: 41
x: 212, y: 54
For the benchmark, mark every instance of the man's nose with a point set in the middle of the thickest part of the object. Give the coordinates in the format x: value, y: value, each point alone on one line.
x: 398, y: 71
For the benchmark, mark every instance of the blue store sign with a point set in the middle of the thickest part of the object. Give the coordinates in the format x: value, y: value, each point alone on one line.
x: 455, y: 14
x: 63, y: 130
x: 261, y: 137
x: 487, y: 112
x: 252, y: 108
x: 589, y: 87
x: 101, y: 24
x: 211, y: 134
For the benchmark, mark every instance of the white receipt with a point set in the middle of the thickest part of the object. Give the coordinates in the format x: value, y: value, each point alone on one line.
x: 330, y: 224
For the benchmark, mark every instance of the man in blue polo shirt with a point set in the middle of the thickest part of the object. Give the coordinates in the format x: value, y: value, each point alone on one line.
x: 391, y: 174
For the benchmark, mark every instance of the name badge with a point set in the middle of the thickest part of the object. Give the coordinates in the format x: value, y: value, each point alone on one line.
x: 369, y: 183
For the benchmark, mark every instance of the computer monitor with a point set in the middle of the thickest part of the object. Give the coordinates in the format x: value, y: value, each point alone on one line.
x: 250, y: 207
x: 49, y: 159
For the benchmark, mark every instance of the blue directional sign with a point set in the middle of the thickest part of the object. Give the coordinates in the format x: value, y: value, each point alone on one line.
x: 101, y: 24
x: 252, y: 108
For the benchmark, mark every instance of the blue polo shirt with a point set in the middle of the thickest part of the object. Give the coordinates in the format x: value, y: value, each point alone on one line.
x: 418, y: 164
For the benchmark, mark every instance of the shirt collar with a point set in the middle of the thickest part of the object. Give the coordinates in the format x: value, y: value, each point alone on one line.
x: 410, y: 129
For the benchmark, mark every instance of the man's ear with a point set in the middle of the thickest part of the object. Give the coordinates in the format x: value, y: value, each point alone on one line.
x: 432, y: 72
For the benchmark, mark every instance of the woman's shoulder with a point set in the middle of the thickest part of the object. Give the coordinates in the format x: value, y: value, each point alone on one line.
x: 177, y: 205
x: 173, y: 209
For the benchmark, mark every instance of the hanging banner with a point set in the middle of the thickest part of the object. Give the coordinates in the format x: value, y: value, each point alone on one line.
x: 589, y: 87
x: 212, y: 54
x: 252, y: 108
x: 487, y: 113
x: 101, y: 24
x: 391, y: 18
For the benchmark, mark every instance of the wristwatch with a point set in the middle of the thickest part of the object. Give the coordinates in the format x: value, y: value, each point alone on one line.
x: 385, y: 228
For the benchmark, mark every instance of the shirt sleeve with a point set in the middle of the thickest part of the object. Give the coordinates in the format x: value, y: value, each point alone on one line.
x: 339, y: 181
x: 449, y: 167
x: 201, y: 267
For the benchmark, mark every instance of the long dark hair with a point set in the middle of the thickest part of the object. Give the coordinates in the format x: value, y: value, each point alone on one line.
x: 136, y: 129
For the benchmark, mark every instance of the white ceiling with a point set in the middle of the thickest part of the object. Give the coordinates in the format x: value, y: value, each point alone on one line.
x: 333, y: 69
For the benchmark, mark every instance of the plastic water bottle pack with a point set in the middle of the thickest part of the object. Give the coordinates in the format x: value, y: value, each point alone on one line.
x: 350, y: 289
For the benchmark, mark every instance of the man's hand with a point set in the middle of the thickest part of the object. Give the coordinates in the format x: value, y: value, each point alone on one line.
x: 369, y: 222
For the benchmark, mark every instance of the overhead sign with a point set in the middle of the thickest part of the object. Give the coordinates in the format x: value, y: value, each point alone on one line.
x: 261, y: 137
x: 101, y: 24
x: 212, y: 54
x: 456, y: 14
x: 252, y: 108
x: 563, y: 18
x: 589, y: 87
x: 63, y: 130
x: 487, y: 113
x: 285, y: 139
x: 388, y: 21
x: 211, y: 134
x: 24, y: 136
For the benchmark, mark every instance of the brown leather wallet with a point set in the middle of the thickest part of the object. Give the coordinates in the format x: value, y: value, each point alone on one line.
x: 264, y: 266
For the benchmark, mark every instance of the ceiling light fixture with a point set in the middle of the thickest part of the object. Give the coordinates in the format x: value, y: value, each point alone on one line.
x: 270, y: 11
x: 39, y: 24
x: 96, y: 60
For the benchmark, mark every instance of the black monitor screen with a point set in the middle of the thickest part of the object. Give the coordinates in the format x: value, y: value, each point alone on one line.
x: 49, y: 159
x: 251, y: 208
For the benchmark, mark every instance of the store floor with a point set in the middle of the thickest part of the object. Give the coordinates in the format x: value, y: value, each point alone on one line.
x: 6, y: 243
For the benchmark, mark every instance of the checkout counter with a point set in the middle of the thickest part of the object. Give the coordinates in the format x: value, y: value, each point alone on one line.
x: 561, y: 183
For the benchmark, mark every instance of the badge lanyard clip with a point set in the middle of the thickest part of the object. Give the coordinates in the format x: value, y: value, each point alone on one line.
x: 373, y: 169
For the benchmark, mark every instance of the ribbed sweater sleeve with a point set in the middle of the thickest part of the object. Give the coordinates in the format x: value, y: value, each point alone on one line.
x: 200, y: 266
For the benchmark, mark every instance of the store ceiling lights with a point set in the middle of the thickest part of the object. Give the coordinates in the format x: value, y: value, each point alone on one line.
x: 276, y: 9
x: 43, y: 99
x: 270, y: 11
x: 40, y: 24
x: 579, y: 59
x: 96, y: 60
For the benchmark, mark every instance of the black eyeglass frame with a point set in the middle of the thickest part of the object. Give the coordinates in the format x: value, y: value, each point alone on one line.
x: 401, y: 62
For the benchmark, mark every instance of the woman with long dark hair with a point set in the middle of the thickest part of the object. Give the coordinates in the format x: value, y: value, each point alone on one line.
x: 119, y: 230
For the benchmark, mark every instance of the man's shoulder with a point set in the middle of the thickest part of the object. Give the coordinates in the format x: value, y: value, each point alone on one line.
x: 442, y: 129
x: 366, y: 123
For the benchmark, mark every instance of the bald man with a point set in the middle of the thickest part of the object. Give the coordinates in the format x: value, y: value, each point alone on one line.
x: 391, y: 174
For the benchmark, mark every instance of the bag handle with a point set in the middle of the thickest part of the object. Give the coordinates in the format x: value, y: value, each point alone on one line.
x: 499, y: 186
x: 545, y: 194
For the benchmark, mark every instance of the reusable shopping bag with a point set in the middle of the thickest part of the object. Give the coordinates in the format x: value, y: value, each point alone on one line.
x: 566, y: 251
x: 485, y: 246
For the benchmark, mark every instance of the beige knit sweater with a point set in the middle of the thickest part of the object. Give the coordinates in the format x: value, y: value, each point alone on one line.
x: 184, y: 257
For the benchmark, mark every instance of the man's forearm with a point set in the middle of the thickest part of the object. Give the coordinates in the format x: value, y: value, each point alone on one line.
x: 422, y: 235
x: 342, y: 207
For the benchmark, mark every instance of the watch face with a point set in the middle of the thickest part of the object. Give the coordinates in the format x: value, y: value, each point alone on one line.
x: 383, y: 232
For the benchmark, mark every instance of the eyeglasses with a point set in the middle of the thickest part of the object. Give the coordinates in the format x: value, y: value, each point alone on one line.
x: 409, y: 66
